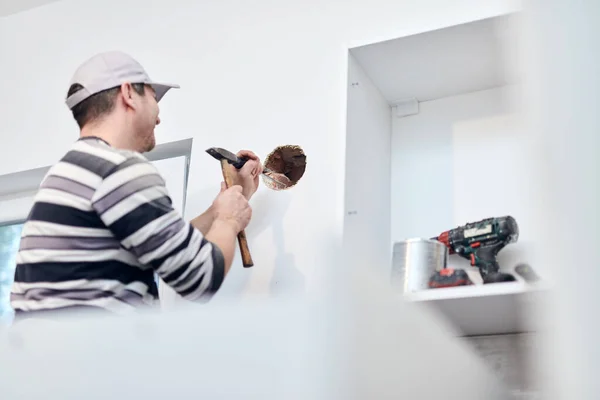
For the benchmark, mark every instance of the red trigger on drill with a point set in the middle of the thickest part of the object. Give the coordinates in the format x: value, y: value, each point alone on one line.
x: 474, y: 245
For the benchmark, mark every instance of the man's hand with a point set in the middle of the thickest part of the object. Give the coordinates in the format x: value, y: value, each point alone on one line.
x: 232, y: 207
x: 231, y: 213
x: 248, y: 176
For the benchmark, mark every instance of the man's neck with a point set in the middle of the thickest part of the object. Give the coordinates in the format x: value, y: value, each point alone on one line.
x: 112, y: 135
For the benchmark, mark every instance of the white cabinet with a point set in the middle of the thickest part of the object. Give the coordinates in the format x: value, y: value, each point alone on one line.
x: 436, y: 138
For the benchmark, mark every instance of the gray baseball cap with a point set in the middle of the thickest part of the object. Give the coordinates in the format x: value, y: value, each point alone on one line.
x: 108, y: 70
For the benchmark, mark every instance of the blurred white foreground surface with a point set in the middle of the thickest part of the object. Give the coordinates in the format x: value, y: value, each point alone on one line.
x: 358, y: 344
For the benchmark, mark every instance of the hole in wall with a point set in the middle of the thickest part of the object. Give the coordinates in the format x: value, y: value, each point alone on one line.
x: 286, y: 165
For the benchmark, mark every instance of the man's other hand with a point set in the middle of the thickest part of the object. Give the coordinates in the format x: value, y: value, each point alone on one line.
x: 248, y: 176
x: 232, y: 207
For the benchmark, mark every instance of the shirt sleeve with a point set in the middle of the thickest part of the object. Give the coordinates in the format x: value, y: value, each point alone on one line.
x: 134, y: 204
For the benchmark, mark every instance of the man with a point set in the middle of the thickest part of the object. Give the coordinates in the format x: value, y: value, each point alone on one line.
x: 102, y: 223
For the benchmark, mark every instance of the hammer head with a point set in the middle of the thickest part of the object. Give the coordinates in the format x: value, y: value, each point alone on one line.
x: 222, y: 154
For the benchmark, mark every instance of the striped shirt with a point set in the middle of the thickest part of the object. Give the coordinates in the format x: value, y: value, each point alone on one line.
x: 101, y: 227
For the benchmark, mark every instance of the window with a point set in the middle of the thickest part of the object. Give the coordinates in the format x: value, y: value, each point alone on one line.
x: 10, y: 235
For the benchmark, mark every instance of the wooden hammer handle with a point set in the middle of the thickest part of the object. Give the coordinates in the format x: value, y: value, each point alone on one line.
x: 243, y: 242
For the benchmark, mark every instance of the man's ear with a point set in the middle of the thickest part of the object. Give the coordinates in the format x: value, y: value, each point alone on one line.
x: 127, y: 94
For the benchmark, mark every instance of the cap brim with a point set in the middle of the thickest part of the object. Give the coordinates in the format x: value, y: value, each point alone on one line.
x: 162, y: 88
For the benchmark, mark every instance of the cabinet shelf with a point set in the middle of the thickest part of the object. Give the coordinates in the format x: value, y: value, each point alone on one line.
x: 499, y: 308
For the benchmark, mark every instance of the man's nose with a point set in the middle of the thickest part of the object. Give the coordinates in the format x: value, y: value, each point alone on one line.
x: 157, y: 120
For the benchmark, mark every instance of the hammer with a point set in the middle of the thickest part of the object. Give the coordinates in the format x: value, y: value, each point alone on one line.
x: 226, y: 157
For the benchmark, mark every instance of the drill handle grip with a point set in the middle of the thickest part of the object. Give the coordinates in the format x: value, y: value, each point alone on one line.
x: 485, y: 258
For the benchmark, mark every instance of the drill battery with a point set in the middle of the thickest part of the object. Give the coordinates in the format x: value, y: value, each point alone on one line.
x: 449, y: 277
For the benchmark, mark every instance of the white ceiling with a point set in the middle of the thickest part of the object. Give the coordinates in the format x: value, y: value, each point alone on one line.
x: 431, y: 65
x: 459, y: 59
x: 8, y: 7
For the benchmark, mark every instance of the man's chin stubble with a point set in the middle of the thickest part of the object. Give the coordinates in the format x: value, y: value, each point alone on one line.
x: 150, y: 144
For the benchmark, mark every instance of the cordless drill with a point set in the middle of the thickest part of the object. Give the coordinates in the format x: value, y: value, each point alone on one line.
x: 480, y: 243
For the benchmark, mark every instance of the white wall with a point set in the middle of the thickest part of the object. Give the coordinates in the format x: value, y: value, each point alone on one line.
x: 565, y: 94
x: 462, y: 159
x: 253, y: 75
x: 368, y: 158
